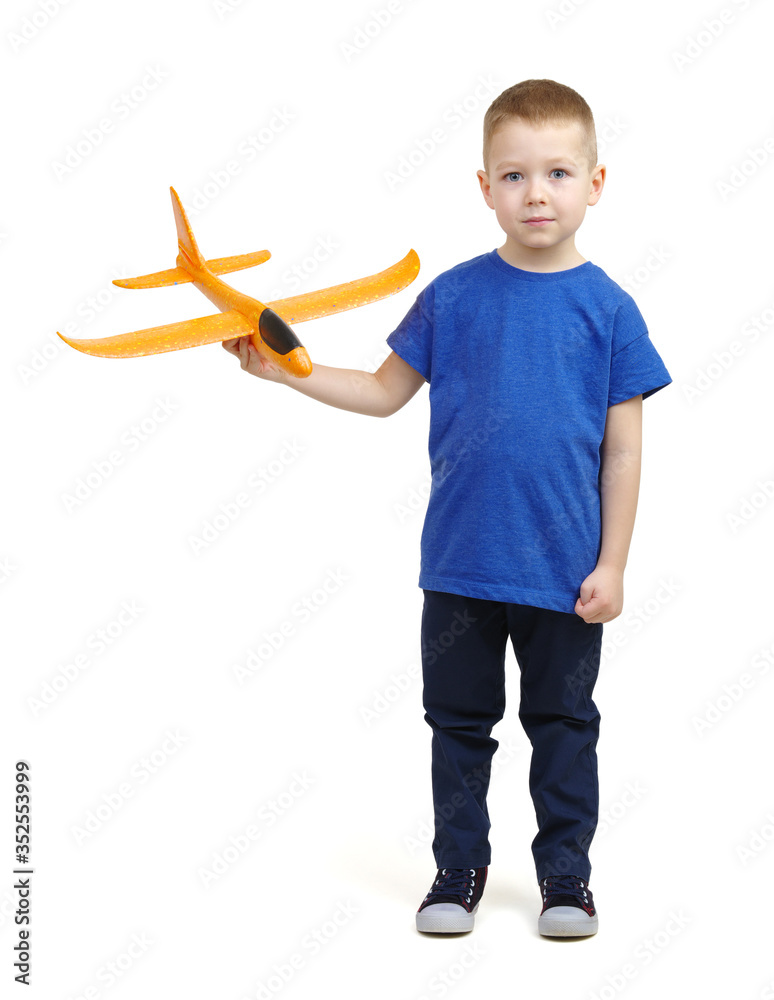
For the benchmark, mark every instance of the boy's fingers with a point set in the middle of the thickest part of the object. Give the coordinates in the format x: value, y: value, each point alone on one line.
x: 232, y: 346
x: 244, y: 349
x: 251, y: 351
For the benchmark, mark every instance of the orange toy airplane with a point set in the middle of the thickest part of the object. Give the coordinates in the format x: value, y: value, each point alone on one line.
x: 241, y: 316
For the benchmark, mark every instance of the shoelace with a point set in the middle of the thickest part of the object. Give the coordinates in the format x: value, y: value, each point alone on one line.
x: 569, y: 885
x: 454, y: 882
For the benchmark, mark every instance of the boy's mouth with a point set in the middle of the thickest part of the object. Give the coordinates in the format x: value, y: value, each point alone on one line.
x: 539, y: 220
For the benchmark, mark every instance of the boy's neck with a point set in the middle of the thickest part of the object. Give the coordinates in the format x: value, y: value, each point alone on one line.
x: 558, y: 258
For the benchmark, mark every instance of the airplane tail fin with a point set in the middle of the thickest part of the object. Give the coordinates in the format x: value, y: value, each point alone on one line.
x: 190, y: 258
x: 190, y: 254
x: 179, y: 275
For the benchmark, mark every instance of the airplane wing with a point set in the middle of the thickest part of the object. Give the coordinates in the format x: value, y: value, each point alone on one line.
x: 172, y: 337
x: 230, y: 324
x: 350, y: 295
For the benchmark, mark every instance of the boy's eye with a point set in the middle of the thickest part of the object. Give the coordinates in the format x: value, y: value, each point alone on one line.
x: 514, y: 175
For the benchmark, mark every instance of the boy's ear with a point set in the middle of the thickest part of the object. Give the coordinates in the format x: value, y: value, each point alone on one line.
x: 597, y: 183
x: 485, y: 187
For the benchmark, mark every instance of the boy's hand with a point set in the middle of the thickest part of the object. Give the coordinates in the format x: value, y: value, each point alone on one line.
x: 601, y: 595
x: 252, y: 361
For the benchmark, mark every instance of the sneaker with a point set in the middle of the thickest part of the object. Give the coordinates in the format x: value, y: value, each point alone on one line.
x: 450, y: 906
x: 568, y: 907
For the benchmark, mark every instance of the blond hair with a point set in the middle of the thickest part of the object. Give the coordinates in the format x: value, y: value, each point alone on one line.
x: 542, y: 102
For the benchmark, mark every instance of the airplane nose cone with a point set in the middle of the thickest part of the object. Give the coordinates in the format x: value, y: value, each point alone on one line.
x: 298, y: 363
x: 277, y: 335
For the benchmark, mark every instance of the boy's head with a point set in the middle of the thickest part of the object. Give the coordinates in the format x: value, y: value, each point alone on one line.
x: 540, y: 171
x: 540, y: 103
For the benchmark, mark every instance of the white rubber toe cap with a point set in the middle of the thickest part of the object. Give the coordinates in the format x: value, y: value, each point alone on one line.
x: 446, y: 918
x: 567, y: 921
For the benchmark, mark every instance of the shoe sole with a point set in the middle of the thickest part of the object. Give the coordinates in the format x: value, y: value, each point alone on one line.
x: 446, y: 922
x: 567, y: 925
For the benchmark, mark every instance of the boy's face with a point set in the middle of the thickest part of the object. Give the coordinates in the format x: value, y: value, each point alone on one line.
x: 540, y: 173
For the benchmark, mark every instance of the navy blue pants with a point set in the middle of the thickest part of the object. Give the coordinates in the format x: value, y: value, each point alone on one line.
x: 463, y: 663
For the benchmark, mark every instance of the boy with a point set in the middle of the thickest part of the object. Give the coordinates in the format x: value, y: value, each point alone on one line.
x: 538, y: 364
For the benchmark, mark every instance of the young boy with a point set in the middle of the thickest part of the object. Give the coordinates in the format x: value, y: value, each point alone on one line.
x: 538, y: 364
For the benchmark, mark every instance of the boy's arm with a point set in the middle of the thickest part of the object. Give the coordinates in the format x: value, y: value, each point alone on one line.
x: 377, y: 394
x: 601, y: 593
x: 621, y: 454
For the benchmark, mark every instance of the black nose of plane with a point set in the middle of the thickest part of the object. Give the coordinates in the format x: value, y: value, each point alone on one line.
x: 276, y: 332
x: 277, y: 335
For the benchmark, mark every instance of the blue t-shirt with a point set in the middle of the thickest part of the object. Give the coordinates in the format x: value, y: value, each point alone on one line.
x: 522, y: 367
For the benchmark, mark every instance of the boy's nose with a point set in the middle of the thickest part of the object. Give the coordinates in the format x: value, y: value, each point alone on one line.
x: 535, y: 193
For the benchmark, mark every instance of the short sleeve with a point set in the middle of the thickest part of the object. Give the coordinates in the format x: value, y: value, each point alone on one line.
x: 412, y: 340
x: 636, y: 367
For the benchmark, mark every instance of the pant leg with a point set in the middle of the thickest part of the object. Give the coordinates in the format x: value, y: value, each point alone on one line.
x: 463, y: 656
x: 558, y: 655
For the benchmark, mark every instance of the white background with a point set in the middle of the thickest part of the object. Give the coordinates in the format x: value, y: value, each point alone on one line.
x: 149, y: 758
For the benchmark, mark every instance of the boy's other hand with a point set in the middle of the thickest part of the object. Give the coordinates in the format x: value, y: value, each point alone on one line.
x: 252, y: 360
x: 601, y: 595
